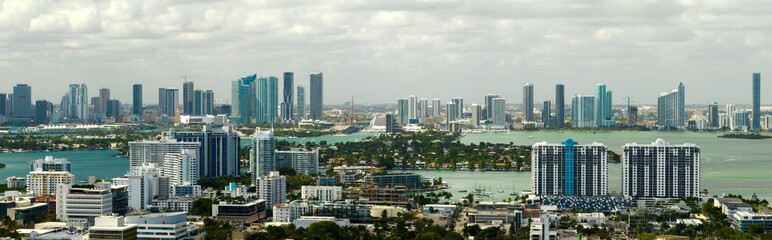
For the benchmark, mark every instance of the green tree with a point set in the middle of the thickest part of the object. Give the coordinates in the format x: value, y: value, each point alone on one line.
x: 202, y: 207
x: 287, y: 171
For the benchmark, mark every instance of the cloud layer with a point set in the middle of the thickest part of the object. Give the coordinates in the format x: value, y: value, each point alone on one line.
x: 377, y: 51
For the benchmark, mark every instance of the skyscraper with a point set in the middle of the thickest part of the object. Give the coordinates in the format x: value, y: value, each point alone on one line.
x: 267, y: 100
x: 583, y: 111
x: 317, y: 97
x: 301, y: 103
x: 188, y: 98
x: 661, y: 170
x: 489, y: 105
x: 423, y: 108
x: 436, y: 107
x: 560, y: 108
x: 262, y: 156
x: 499, y: 116
x: 162, y: 100
x: 459, y: 107
x: 136, y: 107
x: 713, y: 121
x: 756, y: 123
x: 413, y: 107
x: 3, y: 102
x: 113, y: 109
x: 198, y: 98
x: 22, y: 103
x: 79, y: 107
x: 476, y: 115
x: 207, y: 103
x: 43, y: 110
x: 528, y: 102
x: 104, y: 96
x: 172, y: 101
x: 671, y: 108
x: 243, y: 99
x: 569, y: 169
x: 451, y: 111
x: 603, y: 114
x: 545, y: 113
x: 219, y: 149
x: 289, y: 97
x: 403, y: 111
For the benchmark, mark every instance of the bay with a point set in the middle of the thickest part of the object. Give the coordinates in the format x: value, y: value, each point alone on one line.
x: 97, y: 163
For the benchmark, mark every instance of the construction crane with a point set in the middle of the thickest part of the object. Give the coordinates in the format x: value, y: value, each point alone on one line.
x: 372, y: 179
x: 185, y: 77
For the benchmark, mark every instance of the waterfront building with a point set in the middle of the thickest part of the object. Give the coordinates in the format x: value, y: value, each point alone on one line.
x: 172, y: 225
x: 243, y: 99
x: 410, y: 180
x: 436, y: 107
x: 528, y: 102
x: 742, y: 221
x: 154, y: 151
x: 756, y: 123
x: 316, y: 96
x: 301, y: 103
x: 661, y: 170
x: 41, y: 183
x: 262, y: 155
x: 322, y: 193
x: 81, y: 205
x: 499, y: 117
x: 569, y: 169
x: 671, y: 108
x: 188, y: 98
x: 713, y: 119
x: 267, y: 100
x: 288, y: 97
x: 603, y: 103
x: 112, y: 228
x: 181, y: 167
x: 739, y: 121
x: 403, y: 109
x: 304, y: 162
x: 288, y: 212
x: 730, y: 109
x: 391, y: 194
x: 476, y: 115
x: 136, y: 107
x: 545, y: 113
x: 583, y: 111
x: 218, y: 148
x: 560, y: 109
x: 459, y: 107
x: 272, y: 188
x: 241, y: 213
x: 49, y: 163
x: 489, y: 105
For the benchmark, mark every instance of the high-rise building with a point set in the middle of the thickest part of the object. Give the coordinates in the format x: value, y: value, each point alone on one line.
x: 96, y: 107
x: 528, y: 102
x: 436, y: 107
x: 489, y: 105
x: 154, y: 151
x: 21, y: 102
x: 40, y: 183
x: 476, y: 115
x: 560, y: 108
x: 632, y: 115
x: 198, y: 98
x: 661, y: 170
x: 79, y: 107
x: 49, y: 163
x: 756, y: 123
x: 104, y: 96
x: 207, y: 103
x: 403, y: 110
x: 136, y: 107
x: 739, y: 121
x: 271, y: 187
x: 413, y: 107
x: 181, y: 167
x: 162, y: 100
x: 3, y: 103
x: 43, y: 111
x: 603, y: 103
x: 82, y: 205
x: 113, y: 109
x: 545, y: 113
x: 317, y: 97
x: 583, y: 111
x: 172, y: 101
x: 730, y: 109
x: 304, y: 162
x: 301, y: 103
x: 262, y: 155
x: 451, y: 111
x: 219, y: 150
x: 459, y: 107
x: 671, y: 109
x: 188, y: 98
x: 423, y: 108
x: 499, y: 115
x: 267, y: 100
x: 243, y: 99
x: 713, y: 121
x: 289, y: 97
x: 569, y: 169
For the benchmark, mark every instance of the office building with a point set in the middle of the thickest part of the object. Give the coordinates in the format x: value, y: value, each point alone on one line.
x: 113, y: 109
x: 436, y: 107
x: 661, y: 170
x: 391, y: 123
x: 499, y: 115
x: 288, y: 212
x: 120, y: 196
x: 21, y: 102
x: 730, y: 109
x: 304, y: 162
x: 154, y: 151
x: 272, y: 188
x: 603, y: 103
x: 569, y: 169
x: 172, y: 225
x: 459, y: 107
x: 3, y: 105
x: 198, y: 97
x: 243, y: 99
x: 713, y: 119
x: 43, y: 112
x: 412, y: 107
x: 188, y: 98
x: 49, y: 163
x: 262, y: 155
x: 317, y: 97
x: 112, y: 227
x: 181, y: 167
x: 219, y: 150
x: 240, y: 213
x: 560, y: 108
x: 78, y: 102
x: 136, y: 107
x: 583, y: 111
x: 476, y: 115
x: 756, y: 123
x: 489, y: 106
x: 403, y: 110
x: 671, y: 109
x: 301, y: 107
x: 162, y: 100
x: 545, y: 113
x: 423, y: 108
x: 81, y: 205
x: 40, y: 183
x: 267, y: 100
x: 207, y: 103
x: 288, y: 111
x: 322, y: 193
x: 104, y: 96
x: 172, y: 99
x: 528, y: 102
x: 451, y: 109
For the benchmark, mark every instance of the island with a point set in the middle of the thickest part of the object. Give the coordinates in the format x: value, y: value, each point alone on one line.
x: 745, y: 136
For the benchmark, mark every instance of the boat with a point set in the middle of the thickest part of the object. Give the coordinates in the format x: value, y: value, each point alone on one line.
x: 501, y: 191
x: 530, y: 137
x: 462, y: 190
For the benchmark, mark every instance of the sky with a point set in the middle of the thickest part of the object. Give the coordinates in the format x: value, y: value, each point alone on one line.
x: 378, y: 51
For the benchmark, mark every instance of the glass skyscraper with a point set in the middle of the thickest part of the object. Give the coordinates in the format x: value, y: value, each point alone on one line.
x: 79, y: 107
x: 219, y: 150
x: 756, y: 123
x: 583, y: 111
x: 267, y: 100
x: 188, y: 98
x: 288, y: 111
x: 262, y: 156
x: 403, y: 111
x: 136, y: 108
x: 671, y: 110
x: 243, y: 99
x: 489, y: 105
x: 528, y: 102
x: 499, y: 115
x: 560, y: 108
x: 301, y: 103
x: 22, y: 103
x: 603, y: 114
x: 317, y: 97
x: 459, y: 107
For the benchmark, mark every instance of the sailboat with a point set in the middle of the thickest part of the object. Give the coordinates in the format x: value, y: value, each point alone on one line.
x: 513, y: 189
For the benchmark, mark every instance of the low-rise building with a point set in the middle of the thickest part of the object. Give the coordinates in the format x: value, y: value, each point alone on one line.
x: 410, y: 180
x: 381, y: 194
x: 742, y: 221
x: 240, y: 212
x: 290, y: 211
x: 80, y: 206
x: 487, y: 217
x: 730, y: 206
x: 346, y: 210
x: 306, y: 221
x: 304, y: 162
x: 112, y: 227
x: 326, y: 181
x: 16, y: 182
x: 165, y: 226
x: 186, y: 190
x: 175, y: 203
x: 322, y: 193
x: 543, y: 228
x: 24, y: 210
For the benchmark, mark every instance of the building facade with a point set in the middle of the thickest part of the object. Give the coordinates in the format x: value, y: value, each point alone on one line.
x: 317, y: 97
x: 272, y: 188
x: 569, y: 169
x: 671, y: 109
x: 528, y: 102
x: 661, y: 170
x: 583, y: 111
x: 304, y: 162
x: 218, y: 149
x: 322, y: 193
x: 262, y: 155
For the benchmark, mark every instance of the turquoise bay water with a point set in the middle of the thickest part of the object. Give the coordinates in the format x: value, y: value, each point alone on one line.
x: 97, y: 163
